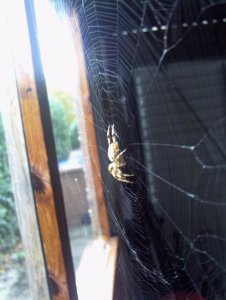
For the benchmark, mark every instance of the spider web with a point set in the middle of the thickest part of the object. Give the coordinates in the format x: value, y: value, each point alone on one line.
x: 157, y: 71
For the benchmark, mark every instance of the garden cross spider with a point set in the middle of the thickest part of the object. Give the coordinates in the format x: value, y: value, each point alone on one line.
x: 115, y: 155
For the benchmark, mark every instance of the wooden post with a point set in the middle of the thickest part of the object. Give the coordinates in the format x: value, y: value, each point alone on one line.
x: 19, y: 169
x: 101, y: 217
x: 40, y: 150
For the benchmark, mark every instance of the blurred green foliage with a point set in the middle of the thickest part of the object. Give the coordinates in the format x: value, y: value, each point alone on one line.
x: 66, y: 99
x: 60, y: 129
x: 65, y: 130
x: 9, y: 233
x: 74, y: 136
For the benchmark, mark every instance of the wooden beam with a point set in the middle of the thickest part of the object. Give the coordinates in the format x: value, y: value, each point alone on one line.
x: 100, y: 258
x: 40, y: 150
x: 19, y: 170
x: 89, y: 126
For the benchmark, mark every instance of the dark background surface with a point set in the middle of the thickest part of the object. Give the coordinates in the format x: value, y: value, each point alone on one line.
x: 165, y: 91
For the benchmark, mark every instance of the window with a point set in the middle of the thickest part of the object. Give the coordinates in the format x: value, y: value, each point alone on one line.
x: 42, y: 161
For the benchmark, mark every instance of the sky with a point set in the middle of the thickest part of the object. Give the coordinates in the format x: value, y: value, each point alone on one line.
x: 57, y: 49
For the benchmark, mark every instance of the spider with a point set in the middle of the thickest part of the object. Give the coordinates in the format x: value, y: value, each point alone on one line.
x: 115, y: 155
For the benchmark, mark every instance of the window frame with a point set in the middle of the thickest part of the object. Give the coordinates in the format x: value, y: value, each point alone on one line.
x: 42, y: 176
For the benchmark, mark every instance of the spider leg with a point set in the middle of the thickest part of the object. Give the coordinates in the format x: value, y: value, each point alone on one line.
x: 113, y: 133
x: 109, y: 134
x: 128, y: 175
x: 118, y: 174
x: 121, y: 153
x: 122, y: 176
x: 124, y: 179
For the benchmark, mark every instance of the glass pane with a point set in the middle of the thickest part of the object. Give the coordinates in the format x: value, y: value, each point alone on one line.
x: 63, y: 87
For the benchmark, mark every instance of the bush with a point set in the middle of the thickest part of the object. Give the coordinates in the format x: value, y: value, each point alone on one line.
x: 74, y: 135
x: 9, y: 233
x: 60, y: 130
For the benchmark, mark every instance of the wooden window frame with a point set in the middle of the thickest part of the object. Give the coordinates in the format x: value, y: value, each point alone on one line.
x: 49, y: 241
